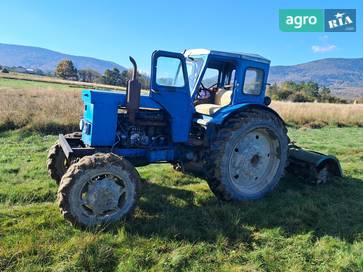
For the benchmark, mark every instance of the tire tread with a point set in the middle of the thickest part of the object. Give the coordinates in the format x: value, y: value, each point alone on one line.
x: 216, y: 150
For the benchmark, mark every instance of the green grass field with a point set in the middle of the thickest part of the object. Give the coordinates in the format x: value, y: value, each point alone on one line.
x: 179, y: 225
x: 24, y: 81
x: 11, y: 84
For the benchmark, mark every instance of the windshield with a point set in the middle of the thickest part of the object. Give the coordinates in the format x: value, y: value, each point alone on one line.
x: 195, y: 65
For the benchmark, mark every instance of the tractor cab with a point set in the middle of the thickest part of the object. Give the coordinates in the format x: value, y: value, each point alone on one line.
x: 208, y: 80
x: 201, y: 82
x: 225, y: 79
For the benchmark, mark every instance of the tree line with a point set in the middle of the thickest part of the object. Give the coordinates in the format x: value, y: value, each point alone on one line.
x: 66, y: 70
x: 302, y: 92
x: 308, y: 91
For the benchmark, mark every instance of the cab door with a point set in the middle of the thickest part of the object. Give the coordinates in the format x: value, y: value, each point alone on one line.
x: 170, y: 88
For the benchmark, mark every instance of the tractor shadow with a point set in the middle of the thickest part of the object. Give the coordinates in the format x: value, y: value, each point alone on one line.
x: 294, y: 207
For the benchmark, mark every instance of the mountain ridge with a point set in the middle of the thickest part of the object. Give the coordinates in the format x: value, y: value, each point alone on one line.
x: 344, y: 76
x: 33, y: 57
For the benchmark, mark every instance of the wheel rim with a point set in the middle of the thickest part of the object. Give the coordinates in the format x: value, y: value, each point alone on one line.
x: 254, y: 161
x: 104, y: 195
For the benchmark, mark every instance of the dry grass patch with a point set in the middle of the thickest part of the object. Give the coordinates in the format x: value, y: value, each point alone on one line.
x: 46, y: 111
x: 320, y: 114
x: 53, y: 108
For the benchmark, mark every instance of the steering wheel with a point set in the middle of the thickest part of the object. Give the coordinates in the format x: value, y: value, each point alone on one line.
x: 208, y: 88
x: 205, y: 90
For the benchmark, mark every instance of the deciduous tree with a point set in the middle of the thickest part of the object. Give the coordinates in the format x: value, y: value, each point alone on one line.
x: 112, y: 77
x: 66, y: 70
x: 88, y: 75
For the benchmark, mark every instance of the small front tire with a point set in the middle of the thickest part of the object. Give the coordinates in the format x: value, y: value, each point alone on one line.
x: 98, y: 190
x: 56, y: 163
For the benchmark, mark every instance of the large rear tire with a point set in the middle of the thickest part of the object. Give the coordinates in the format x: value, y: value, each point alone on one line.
x: 248, y: 156
x: 97, y: 190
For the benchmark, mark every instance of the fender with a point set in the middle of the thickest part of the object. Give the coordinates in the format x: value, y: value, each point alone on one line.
x: 224, y: 113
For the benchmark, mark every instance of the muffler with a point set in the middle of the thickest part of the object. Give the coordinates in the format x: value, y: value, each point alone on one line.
x: 133, y: 93
x: 311, y: 165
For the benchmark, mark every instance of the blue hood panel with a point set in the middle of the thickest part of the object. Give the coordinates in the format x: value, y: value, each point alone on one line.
x: 100, y: 115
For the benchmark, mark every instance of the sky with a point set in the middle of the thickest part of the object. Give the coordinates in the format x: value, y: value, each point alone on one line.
x: 113, y: 30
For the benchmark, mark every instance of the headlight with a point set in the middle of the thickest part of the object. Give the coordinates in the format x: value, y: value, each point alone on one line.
x: 81, y: 124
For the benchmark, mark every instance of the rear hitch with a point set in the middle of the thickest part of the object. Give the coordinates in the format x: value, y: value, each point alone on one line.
x: 311, y: 165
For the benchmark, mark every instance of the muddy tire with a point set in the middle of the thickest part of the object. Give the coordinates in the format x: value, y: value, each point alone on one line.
x: 98, y: 190
x: 248, y: 156
x: 56, y: 163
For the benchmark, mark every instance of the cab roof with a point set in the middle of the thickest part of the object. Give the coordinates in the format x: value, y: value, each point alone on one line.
x: 247, y: 56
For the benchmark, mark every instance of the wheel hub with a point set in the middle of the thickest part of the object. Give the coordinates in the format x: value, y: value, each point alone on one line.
x: 103, y: 196
x: 253, y: 160
x: 248, y: 159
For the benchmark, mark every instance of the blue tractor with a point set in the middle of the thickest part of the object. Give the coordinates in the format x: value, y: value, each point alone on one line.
x: 206, y: 113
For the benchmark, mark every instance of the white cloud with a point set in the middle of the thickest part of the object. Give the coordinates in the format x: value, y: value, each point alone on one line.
x: 323, y: 49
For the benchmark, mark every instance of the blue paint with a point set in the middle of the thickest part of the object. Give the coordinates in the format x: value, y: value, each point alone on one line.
x: 100, y: 116
x: 130, y: 152
x: 151, y: 155
x: 175, y: 100
x: 166, y: 155
x: 101, y: 107
x: 224, y: 113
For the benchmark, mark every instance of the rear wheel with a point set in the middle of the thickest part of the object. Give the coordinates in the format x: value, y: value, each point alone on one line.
x: 248, y: 156
x: 99, y: 189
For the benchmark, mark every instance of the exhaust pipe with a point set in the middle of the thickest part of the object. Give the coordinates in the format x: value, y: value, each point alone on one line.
x: 133, y: 93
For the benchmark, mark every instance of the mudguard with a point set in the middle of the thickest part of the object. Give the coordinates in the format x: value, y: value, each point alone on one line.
x: 224, y: 113
x: 220, y: 116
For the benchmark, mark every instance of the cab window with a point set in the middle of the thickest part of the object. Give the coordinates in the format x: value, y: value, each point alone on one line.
x: 169, y: 72
x: 253, y: 81
x: 210, y: 77
x: 229, y: 79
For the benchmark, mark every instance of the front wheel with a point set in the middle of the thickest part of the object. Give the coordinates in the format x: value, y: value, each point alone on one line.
x: 98, y: 190
x: 57, y: 163
x: 248, y: 156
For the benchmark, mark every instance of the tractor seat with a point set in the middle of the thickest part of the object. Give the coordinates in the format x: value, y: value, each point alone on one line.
x: 222, y: 98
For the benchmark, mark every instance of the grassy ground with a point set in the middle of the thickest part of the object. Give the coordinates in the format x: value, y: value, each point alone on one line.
x: 179, y: 225
x: 20, y: 78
